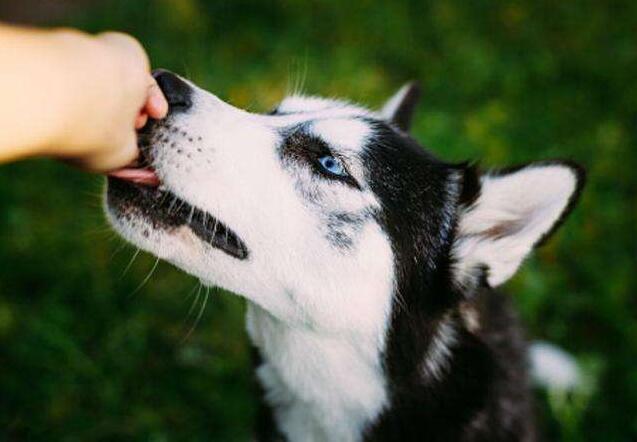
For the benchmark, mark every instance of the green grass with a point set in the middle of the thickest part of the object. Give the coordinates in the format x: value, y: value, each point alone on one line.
x: 505, y: 82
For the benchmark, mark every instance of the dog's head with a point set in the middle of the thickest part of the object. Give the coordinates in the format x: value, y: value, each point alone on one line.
x: 318, y: 210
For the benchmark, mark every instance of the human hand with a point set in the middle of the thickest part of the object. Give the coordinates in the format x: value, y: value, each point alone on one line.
x: 116, y: 96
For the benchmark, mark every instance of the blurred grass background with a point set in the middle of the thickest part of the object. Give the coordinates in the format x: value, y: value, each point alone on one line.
x: 82, y: 358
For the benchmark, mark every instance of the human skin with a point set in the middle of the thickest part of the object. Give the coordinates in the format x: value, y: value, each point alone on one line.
x: 74, y: 96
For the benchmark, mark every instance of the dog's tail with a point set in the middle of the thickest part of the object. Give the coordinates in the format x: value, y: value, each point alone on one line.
x: 553, y: 368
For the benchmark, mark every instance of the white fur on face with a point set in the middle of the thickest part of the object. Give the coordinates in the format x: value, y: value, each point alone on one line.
x: 303, y: 106
x: 512, y: 213
x: 319, y: 276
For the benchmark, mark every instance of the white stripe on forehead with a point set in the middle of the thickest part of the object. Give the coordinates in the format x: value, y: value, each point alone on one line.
x: 346, y: 135
x: 300, y: 103
x: 337, y: 122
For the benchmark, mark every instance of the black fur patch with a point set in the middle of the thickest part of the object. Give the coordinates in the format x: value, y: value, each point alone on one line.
x: 343, y: 226
x: 405, y: 111
x: 471, y: 186
x: 421, y: 197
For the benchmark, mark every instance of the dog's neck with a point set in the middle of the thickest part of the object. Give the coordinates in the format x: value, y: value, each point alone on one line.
x: 326, y: 387
x: 320, y: 387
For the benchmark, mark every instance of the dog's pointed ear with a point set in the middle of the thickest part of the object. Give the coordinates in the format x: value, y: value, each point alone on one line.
x: 509, y: 212
x: 399, y: 109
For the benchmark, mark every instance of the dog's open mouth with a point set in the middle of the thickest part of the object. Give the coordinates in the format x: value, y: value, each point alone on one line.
x: 137, y: 190
x: 138, y: 175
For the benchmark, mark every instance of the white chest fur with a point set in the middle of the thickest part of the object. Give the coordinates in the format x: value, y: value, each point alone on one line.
x: 322, y: 388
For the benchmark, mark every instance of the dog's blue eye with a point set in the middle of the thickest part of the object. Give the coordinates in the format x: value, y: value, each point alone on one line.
x: 332, y: 165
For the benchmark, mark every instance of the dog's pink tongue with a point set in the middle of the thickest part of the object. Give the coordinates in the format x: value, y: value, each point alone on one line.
x: 147, y: 177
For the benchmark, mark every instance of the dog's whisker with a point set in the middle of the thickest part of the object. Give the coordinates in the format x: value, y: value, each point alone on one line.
x: 195, y: 301
x: 172, y: 204
x: 303, y: 77
x: 192, y: 291
x: 205, y: 220
x: 214, y: 229
x: 100, y: 232
x: 204, y: 302
x: 117, y: 249
x: 145, y: 280
x: 130, y: 263
x: 163, y: 199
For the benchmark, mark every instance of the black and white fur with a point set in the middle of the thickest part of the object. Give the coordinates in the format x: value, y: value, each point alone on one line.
x: 371, y: 300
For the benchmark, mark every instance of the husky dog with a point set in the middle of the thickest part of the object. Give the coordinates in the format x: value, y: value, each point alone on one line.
x: 368, y: 264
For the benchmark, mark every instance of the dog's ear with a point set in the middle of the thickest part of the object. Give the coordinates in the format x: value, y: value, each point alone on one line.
x: 399, y: 109
x: 509, y: 212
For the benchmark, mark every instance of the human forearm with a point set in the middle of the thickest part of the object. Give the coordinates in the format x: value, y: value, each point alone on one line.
x: 37, y: 86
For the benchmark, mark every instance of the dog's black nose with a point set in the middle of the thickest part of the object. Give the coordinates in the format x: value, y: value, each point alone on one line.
x: 177, y: 92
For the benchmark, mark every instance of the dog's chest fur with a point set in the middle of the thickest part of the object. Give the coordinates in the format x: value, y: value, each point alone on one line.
x: 319, y: 387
